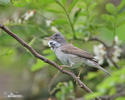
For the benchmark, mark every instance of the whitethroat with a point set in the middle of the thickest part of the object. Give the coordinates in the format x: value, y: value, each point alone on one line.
x: 71, y: 55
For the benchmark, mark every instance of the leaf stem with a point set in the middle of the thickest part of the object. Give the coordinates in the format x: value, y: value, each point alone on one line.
x: 68, y: 17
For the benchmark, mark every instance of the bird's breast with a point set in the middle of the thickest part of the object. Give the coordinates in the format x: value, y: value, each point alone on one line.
x: 62, y: 56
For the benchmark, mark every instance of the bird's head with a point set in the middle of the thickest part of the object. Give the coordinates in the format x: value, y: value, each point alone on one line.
x: 56, y: 40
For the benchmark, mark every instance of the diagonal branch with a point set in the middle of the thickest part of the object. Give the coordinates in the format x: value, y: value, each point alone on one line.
x: 37, y: 55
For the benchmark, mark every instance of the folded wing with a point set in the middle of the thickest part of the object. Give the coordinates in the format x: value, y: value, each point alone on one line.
x: 70, y: 49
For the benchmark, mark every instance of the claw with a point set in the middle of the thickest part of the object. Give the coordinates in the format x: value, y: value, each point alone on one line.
x: 64, y: 66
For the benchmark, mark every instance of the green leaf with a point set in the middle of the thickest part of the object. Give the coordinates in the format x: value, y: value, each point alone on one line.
x: 84, y: 13
x: 6, y: 52
x: 20, y: 3
x: 108, y: 85
x: 72, y: 5
x: 32, y: 41
x: 39, y: 64
x: 54, y: 10
x: 92, y: 17
x: 92, y: 75
x: 121, y: 19
x: 71, y: 87
x: 92, y: 95
x: 120, y: 98
x: 108, y: 18
x: 64, y: 2
x: 32, y: 3
x: 88, y: 2
x: 112, y: 91
x: 92, y: 6
x: 81, y: 5
x: 121, y: 5
x: 111, y: 8
x: 66, y: 91
x: 59, y: 21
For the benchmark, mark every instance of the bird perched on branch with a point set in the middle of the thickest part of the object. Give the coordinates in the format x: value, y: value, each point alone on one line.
x: 71, y: 55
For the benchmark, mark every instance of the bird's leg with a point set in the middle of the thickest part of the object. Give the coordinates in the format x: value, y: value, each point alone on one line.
x: 78, y: 76
x: 65, y: 66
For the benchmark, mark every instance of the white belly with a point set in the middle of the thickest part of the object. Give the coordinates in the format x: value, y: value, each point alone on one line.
x: 68, y: 59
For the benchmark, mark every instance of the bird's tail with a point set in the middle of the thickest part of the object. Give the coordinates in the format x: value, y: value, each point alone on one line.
x: 99, y: 67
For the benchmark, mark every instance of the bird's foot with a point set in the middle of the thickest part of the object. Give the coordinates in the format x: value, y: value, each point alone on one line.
x: 64, y: 66
x: 78, y: 76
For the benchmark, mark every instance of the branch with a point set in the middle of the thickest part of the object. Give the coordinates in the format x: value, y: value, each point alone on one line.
x: 70, y: 22
x: 108, y: 48
x: 37, y: 55
x: 110, y: 58
x: 98, y: 40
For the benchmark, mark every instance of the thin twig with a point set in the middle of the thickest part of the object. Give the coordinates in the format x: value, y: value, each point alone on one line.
x: 98, y: 40
x: 110, y: 58
x: 67, y: 14
x: 37, y: 55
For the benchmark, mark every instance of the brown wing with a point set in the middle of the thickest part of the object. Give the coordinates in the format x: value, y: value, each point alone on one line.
x: 70, y: 49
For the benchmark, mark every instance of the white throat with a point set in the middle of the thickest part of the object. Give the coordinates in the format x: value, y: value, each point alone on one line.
x: 53, y: 44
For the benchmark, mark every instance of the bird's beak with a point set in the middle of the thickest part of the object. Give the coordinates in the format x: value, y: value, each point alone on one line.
x: 48, y: 38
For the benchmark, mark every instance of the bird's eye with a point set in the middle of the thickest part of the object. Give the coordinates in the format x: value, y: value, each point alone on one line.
x: 51, y: 43
x: 56, y: 35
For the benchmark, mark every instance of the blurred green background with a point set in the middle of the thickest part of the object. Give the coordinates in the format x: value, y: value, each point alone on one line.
x: 34, y: 20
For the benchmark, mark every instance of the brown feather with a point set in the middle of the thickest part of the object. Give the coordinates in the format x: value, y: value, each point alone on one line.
x: 70, y: 49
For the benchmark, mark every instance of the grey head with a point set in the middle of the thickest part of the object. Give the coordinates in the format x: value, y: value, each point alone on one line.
x: 56, y: 40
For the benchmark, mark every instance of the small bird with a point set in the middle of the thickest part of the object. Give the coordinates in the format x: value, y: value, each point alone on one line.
x: 71, y: 55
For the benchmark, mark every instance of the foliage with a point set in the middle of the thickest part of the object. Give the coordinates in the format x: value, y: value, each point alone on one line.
x: 108, y: 85
x: 77, y: 20
x: 66, y: 91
